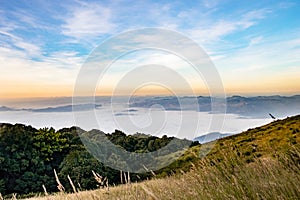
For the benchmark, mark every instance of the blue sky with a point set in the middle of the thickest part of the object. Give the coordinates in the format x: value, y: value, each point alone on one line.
x: 255, y: 45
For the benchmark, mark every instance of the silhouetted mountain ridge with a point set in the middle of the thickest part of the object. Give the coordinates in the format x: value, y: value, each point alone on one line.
x: 64, y: 108
x: 258, y: 106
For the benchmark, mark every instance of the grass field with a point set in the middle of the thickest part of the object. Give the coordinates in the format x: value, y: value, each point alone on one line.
x: 265, y: 178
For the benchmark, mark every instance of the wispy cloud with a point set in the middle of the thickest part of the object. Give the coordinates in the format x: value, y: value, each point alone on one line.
x: 215, y: 31
x: 88, y: 20
x: 210, y: 3
x: 257, y: 14
x: 14, y: 41
x: 21, y: 76
x: 26, y: 19
x: 65, y: 59
x: 268, y: 56
x: 255, y: 40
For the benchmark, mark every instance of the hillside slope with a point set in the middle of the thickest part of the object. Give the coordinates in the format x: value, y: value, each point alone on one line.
x: 278, y: 137
x: 261, y: 163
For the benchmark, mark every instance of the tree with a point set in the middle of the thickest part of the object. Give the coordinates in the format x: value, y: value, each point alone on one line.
x: 79, y: 165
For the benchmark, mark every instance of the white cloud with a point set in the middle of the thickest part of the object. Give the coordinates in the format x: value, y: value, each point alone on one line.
x: 21, y: 77
x: 65, y: 59
x: 215, y: 31
x: 6, y: 33
x: 264, y: 59
x: 210, y: 3
x: 16, y: 42
x: 29, y: 48
x: 24, y: 68
x: 88, y: 20
x: 255, y: 40
x: 257, y: 14
x: 26, y: 19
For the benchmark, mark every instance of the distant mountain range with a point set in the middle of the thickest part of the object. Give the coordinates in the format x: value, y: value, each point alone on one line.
x: 211, y: 137
x: 69, y: 108
x: 258, y: 107
x: 4, y: 108
x: 261, y: 106
x: 66, y: 108
x: 254, y: 107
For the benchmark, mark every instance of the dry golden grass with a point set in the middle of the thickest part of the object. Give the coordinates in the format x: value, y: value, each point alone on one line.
x: 266, y: 178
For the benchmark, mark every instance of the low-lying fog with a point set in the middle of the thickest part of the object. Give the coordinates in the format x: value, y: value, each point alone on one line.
x: 155, y: 120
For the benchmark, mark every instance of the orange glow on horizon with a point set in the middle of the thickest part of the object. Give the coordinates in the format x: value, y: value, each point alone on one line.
x: 69, y: 93
x: 262, y: 87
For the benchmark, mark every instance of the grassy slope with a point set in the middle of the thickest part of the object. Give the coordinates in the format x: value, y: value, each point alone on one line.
x: 261, y: 163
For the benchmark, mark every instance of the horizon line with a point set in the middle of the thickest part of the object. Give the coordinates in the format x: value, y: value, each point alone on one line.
x: 157, y: 95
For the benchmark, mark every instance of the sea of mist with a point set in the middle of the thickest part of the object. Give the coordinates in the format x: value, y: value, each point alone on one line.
x: 117, y: 113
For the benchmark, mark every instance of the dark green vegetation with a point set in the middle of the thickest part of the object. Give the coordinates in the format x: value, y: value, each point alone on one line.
x: 28, y: 157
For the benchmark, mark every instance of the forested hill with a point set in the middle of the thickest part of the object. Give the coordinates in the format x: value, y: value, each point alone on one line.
x: 28, y: 157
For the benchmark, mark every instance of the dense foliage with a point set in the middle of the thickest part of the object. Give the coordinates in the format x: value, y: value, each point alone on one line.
x: 28, y: 157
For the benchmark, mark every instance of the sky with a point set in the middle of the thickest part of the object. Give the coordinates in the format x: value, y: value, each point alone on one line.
x: 254, y: 45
